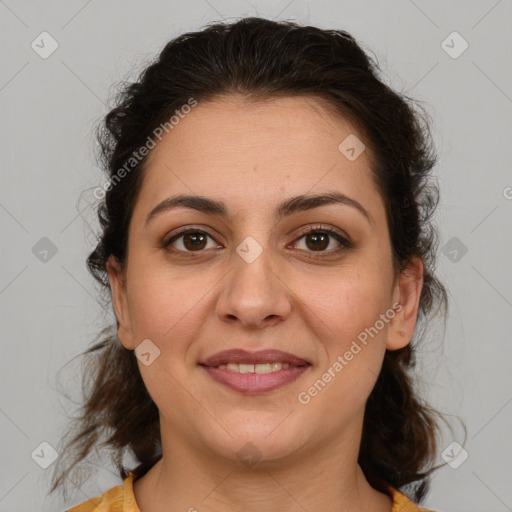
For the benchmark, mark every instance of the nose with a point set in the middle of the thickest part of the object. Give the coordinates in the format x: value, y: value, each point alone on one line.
x: 254, y: 295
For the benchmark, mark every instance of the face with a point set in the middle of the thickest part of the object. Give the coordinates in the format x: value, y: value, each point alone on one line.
x: 308, y: 279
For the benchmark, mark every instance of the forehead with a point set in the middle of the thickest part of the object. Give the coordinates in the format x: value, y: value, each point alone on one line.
x: 250, y: 153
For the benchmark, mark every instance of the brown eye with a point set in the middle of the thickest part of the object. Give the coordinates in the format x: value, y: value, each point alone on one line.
x: 190, y: 241
x: 317, y: 241
x: 194, y: 241
x: 322, y: 241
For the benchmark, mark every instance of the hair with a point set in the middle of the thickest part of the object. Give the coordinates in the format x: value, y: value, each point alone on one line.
x: 260, y: 59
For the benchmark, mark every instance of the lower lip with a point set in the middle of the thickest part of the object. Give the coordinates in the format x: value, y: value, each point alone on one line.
x: 255, y: 382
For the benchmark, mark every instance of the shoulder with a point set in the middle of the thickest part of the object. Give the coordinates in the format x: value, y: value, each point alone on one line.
x: 116, y: 499
x: 401, y: 503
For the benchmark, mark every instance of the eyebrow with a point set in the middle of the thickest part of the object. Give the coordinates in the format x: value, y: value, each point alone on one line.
x: 292, y: 205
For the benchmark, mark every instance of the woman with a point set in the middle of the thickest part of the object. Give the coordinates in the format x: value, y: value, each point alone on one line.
x: 266, y: 241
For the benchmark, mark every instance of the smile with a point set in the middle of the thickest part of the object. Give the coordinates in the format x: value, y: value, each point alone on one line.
x: 254, y: 368
x: 255, y: 378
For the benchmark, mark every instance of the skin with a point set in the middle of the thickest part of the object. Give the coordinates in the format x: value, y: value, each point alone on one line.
x: 253, y: 155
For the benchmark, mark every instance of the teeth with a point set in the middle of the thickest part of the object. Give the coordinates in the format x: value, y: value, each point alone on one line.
x: 254, y: 368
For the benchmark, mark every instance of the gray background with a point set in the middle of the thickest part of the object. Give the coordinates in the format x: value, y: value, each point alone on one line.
x: 49, y: 311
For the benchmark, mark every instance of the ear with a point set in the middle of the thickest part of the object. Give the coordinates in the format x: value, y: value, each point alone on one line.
x: 407, y: 292
x: 120, y: 302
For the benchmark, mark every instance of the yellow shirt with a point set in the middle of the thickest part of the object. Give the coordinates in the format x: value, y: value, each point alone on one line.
x: 122, y: 499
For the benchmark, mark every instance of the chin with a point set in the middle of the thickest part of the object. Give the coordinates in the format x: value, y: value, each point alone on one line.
x: 252, y: 441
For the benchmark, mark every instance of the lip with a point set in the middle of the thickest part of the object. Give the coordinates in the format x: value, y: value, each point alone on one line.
x: 253, y: 383
x: 241, y: 356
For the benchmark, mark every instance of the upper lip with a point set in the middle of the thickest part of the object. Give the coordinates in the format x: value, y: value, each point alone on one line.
x: 241, y: 356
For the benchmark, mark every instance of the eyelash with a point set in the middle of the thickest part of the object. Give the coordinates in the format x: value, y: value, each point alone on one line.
x: 344, y: 243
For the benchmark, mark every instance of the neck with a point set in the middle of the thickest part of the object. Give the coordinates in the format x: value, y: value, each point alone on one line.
x: 323, y: 477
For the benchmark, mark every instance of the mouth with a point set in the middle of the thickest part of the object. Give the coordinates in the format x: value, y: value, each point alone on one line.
x: 245, y: 359
x: 255, y: 372
x: 256, y: 368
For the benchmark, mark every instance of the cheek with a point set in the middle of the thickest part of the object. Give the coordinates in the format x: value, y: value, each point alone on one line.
x: 353, y: 338
x: 166, y: 309
x: 346, y: 316
x: 162, y: 305
x: 346, y: 302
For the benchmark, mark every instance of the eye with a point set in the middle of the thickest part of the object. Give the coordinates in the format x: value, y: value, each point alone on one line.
x: 315, y: 239
x: 320, y: 239
x: 190, y: 240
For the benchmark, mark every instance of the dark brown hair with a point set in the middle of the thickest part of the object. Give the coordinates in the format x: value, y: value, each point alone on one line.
x: 260, y: 59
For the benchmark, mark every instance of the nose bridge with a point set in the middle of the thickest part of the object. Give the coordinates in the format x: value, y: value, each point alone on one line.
x: 253, y: 294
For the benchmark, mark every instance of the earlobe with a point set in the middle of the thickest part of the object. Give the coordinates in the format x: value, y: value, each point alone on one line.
x: 407, y: 294
x: 119, y: 301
